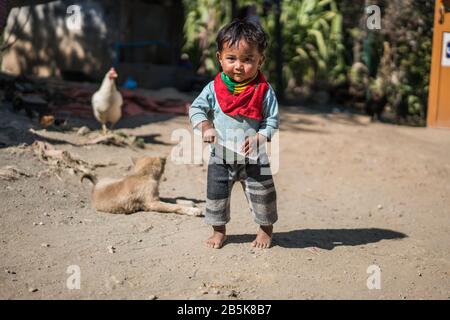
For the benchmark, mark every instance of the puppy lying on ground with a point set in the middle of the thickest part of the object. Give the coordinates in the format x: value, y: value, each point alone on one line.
x: 138, y: 191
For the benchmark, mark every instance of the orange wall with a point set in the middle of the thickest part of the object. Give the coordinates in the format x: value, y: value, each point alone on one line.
x: 439, y: 93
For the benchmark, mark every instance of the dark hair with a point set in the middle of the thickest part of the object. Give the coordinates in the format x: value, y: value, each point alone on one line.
x: 242, y: 29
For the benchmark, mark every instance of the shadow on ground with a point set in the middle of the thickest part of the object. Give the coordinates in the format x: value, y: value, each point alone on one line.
x: 174, y: 200
x: 323, y: 238
x: 298, y: 118
x: 14, y: 128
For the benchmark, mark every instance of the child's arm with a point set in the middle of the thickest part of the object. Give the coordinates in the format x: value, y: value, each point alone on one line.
x: 271, y: 118
x: 198, y: 114
x: 268, y: 126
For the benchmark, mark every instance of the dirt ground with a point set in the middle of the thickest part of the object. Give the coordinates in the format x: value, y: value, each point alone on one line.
x: 351, y: 194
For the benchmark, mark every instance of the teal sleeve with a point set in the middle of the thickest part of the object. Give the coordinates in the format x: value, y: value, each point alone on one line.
x: 201, y: 106
x: 269, y: 124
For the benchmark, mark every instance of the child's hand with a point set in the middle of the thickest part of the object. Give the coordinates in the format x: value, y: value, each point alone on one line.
x: 208, y: 132
x: 251, y: 144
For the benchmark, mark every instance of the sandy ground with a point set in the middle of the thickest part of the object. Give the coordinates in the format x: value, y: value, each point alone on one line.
x: 351, y: 194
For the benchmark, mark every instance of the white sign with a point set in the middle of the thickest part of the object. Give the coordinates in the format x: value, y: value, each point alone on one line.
x: 446, y: 50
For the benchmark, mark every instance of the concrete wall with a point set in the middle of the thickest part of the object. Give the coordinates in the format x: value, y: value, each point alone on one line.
x: 47, y: 47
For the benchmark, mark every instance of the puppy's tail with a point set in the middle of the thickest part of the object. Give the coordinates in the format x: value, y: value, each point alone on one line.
x: 89, y: 176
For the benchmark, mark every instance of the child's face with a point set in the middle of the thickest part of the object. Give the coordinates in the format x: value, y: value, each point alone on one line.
x: 240, y: 62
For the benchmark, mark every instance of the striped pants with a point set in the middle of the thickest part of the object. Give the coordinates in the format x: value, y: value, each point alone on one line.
x: 257, y: 182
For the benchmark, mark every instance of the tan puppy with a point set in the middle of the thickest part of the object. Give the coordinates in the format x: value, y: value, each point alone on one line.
x: 138, y: 191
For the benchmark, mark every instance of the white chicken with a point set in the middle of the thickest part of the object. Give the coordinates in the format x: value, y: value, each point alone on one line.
x: 107, y: 101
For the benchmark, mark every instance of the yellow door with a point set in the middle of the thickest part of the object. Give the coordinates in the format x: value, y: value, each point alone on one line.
x: 439, y: 96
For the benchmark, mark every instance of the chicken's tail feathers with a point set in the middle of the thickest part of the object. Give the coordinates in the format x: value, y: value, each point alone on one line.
x: 89, y: 176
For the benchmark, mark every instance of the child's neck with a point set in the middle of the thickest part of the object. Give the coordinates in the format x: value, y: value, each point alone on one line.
x: 234, y: 86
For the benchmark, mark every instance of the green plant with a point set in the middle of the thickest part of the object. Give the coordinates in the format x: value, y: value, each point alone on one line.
x: 408, y: 28
x: 313, y: 49
x: 312, y: 37
x: 203, y: 20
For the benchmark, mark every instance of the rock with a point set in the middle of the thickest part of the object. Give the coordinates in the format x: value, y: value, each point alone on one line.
x: 152, y: 297
x: 32, y: 290
x: 46, y: 245
x: 146, y: 229
x: 380, y: 207
x: 83, y: 131
x: 111, y: 249
x: 232, y: 293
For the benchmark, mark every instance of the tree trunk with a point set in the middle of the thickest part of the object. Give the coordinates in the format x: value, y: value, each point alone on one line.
x: 234, y: 9
x: 279, y: 51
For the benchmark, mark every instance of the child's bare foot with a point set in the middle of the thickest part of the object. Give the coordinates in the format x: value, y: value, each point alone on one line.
x: 218, y: 238
x: 263, y: 237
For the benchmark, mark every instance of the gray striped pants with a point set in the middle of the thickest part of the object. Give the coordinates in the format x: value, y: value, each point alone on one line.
x: 259, y: 190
